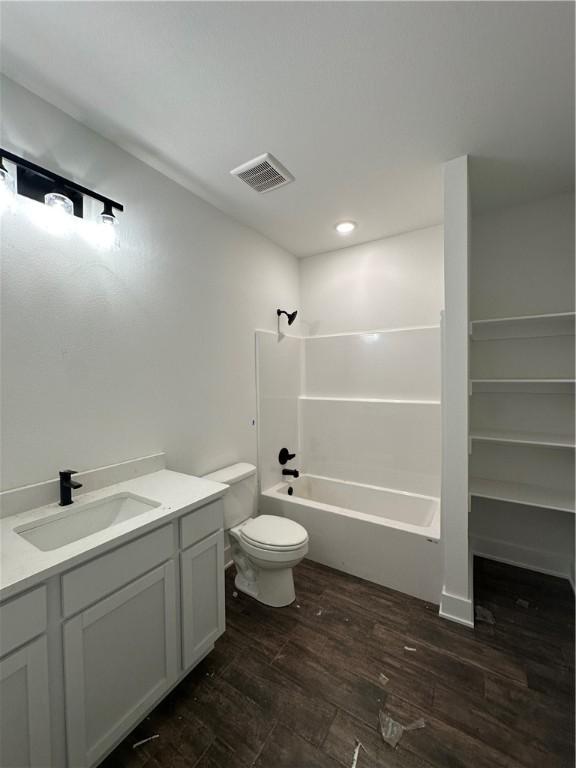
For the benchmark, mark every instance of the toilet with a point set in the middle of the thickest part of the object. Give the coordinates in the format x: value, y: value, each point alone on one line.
x: 265, y: 548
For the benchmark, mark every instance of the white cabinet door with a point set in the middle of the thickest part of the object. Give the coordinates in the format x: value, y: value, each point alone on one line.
x: 25, y: 708
x: 119, y: 657
x: 203, y: 619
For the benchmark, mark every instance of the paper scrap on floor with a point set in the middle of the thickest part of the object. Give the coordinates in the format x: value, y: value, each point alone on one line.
x: 485, y: 615
x: 357, y: 749
x: 392, y: 731
x: 145, y: 741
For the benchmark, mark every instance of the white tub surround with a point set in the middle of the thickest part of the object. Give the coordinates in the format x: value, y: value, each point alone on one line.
x: 392, y: 444
x: 362, y: 413
x: 96, y: 631
x: 393, y: 364
x: 386, y: 536
x: 278, y: 386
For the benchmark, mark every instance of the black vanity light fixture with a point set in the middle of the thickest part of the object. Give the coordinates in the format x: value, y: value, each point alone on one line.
x: 55, y: 191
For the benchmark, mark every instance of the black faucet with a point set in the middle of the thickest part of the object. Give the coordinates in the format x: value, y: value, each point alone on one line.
x: 291, y: 472
x: 66, y: 486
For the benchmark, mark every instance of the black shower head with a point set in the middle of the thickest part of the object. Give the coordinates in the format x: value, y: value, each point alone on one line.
x: 290, y: 315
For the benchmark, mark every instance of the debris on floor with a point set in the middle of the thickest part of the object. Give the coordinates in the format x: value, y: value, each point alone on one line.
x: 357, y: 749
x: 319, y: 612
x: 522, y: 603
x: 485, y: 615
x: 409, y: 648
x: 145, y: 741
x: 416, y: 725
x: 383, y: 679
x: 234, y: 594
x: 392, y: 731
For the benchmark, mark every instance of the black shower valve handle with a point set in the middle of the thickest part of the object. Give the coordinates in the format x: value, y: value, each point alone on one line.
x: 285, y: 456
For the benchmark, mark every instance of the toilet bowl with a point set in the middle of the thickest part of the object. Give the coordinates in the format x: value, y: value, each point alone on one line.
x: 264, y: 548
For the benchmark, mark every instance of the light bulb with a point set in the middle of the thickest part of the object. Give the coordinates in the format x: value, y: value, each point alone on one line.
x: 59, y: 203
x: 57, y: 215
x: 7, y: 188
x: 345, y: 227
x: 107, y: 229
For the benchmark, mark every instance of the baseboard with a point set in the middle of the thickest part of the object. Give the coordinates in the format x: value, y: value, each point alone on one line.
x: 522, y: 557
x: 457, y: 608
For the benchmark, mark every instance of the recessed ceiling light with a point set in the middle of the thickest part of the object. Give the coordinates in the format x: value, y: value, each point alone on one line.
x: 345, y: 227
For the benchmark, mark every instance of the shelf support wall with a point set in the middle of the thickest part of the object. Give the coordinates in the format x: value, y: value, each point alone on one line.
x: 456, y: 602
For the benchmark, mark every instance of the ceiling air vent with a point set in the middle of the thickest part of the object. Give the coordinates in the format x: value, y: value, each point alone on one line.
x: 263, y: 174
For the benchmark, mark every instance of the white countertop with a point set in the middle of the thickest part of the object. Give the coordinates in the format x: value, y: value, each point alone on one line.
x: 22, y: 565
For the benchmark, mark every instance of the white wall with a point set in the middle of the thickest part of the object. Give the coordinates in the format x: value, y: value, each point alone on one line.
x: 109, y: 355
x: 522, y: 260
x: 541, y: 540
x: 391, y: 283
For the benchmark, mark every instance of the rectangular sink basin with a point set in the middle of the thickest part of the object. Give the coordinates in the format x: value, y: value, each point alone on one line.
x: 80, y: 520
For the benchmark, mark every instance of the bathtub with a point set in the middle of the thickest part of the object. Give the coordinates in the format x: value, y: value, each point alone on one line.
x: 386, y: 536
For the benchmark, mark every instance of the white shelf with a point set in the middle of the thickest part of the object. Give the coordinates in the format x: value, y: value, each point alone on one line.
x: 368, y: 400
x: 553, y: 386
x: 525, y: 326
x: 523, y: 438
x: 521, y: 493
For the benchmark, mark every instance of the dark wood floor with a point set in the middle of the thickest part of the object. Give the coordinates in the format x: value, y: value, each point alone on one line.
x: 295, y: 687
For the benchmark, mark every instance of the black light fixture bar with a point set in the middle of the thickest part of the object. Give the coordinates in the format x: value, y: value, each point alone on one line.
x: 51, y: 178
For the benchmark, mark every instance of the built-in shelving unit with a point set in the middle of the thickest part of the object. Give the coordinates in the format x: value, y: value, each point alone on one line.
x: 523, y: 326
x: 520, y: 331
x: 520, y: 414
x: 522, y: 493
x: 542, y: 439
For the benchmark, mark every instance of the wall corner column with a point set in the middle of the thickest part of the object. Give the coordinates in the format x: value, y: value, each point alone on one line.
x: 456, y: 601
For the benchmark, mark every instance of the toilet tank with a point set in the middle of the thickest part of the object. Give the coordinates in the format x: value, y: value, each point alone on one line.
x: 240, y: 501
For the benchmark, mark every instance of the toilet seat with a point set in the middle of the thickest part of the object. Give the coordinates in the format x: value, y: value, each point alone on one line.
x: 273, y: 534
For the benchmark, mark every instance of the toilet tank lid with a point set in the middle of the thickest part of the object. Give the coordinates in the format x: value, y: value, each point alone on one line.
x: 232, y: 474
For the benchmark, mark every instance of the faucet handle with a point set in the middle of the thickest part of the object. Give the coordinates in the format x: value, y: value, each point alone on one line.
x: 285, y: 456
x: 67, y: 473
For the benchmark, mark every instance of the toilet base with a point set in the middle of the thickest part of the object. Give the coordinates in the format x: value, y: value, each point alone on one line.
x: 270, y: 587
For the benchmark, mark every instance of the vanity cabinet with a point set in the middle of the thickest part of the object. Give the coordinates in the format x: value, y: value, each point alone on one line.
x: 120, y: 656
x: 24, y: 707
x: 87, y: 654
x: 203, y: 616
